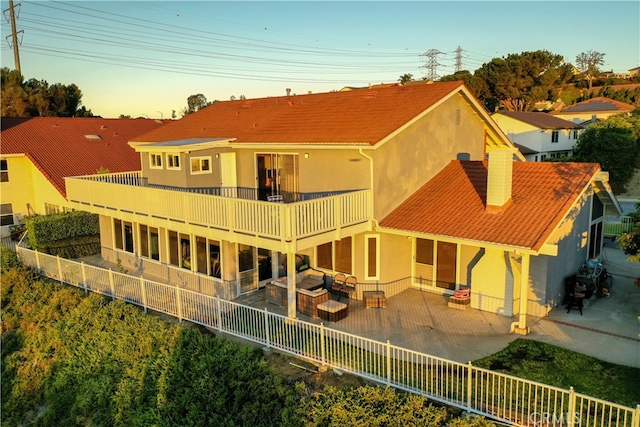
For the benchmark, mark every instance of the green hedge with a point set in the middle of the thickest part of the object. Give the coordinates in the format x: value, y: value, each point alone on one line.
x: 68, y: 234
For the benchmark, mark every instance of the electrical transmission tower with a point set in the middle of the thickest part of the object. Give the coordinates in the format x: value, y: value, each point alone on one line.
x: 458, y: 59
x: 432, y: 63
x: 14, y: 34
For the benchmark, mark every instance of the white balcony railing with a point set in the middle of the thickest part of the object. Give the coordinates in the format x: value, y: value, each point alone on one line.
x: 130, y: 193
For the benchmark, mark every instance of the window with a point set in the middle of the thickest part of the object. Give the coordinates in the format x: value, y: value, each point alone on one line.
x: 372, y: 257
x: 149, y: 246
x: 554, y: 136
x: 338, y: 251
x: 543, y: 157
x: 173, y: 161
x: 155, y: 161
x: 424, y: 251
x: 324, y: 257
x: 123, y: 235
x: 4, y: 171
x: 6, y: 214
x: 200, y: 165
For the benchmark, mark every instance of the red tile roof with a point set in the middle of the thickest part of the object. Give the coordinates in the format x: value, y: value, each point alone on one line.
x: 452, y: 204
x: 361, y: 116
x: 57, y: 146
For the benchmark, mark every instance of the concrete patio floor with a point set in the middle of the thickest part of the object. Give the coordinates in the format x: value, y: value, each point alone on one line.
x: 608, y: 329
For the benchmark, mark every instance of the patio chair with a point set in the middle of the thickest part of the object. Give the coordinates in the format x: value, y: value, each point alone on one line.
x: 338, y: 284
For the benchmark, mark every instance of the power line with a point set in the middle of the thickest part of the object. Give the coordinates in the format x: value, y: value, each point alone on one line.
x: 432, y: 64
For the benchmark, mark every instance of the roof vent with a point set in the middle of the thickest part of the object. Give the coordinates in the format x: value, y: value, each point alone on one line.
x: 104, y: 127
x: 90, y: 136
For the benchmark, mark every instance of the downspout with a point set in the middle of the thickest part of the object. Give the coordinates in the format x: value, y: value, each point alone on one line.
x: 520, y: 327
x: 366, y: 156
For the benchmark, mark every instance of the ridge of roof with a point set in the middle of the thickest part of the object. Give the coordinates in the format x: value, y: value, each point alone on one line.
x: 541, y: 120
x: 542, y: 195
x: 365, y: 115
x: 58, y: 146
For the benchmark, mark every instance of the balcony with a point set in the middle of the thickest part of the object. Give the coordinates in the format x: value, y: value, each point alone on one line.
x: 234, y: 214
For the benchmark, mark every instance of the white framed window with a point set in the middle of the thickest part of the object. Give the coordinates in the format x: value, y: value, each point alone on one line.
x: 173, y: 161
x: 4, y: 171
x: 575, y: 134
x: 6, y: 214
x: 155, y: 161
x: 372, y: 257
x: 554, y: 136
x: 200, y: 165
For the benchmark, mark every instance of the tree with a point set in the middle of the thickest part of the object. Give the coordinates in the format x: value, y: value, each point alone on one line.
x: 518, y: 81
x: 405, y: 78
x: 610, y: 143
x: 588, y: 64
x: 630, y: 242
x: 195, y: 103
x: 37, y: 98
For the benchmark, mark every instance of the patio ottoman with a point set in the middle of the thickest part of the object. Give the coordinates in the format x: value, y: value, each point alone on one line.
x: 375, y: 299
x: 332, y: 310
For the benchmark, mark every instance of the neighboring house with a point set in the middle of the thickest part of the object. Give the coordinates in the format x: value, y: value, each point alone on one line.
x: 594, y: 108
x: 539, y: 136
x: 634, y: 71
x: 244, y: 191
x: 37, y: 153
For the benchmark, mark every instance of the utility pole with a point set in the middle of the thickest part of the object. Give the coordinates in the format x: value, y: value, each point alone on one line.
x: 14, y: 35
x: 458, y: 59
x: 432, y: 63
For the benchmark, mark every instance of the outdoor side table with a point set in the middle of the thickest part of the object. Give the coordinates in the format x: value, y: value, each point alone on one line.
x: 374, y: 299
x: 332, y: 310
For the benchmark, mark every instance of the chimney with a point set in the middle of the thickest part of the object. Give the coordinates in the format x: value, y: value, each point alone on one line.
x: 499, y: 178
x: 288, y: 91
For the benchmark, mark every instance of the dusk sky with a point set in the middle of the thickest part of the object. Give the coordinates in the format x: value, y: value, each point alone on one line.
x: 144, y: 58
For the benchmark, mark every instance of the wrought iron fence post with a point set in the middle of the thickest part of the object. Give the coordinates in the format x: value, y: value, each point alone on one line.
x: 469, y: 384
x: 84, y: 278
x: 113, y: 288
x: 59, y: 269
x: 218, y: 313
x: 388, y: 362
x: 143, y: 293
x: 323, y: 355
x: 178, y: 304
x: 266, y: 327
x: 571, y: 408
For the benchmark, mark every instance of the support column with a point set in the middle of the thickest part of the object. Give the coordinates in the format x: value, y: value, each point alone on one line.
x: 522, y: 327
x: 291, y: 284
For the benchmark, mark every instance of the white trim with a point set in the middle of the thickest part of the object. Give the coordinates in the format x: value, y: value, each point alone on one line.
x: 202, y: 160
x: 153, y: 160
x: 171, y: 158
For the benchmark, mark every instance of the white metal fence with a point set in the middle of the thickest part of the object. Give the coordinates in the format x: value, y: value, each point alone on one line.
x: 503, y: 397
x: 617, y: 225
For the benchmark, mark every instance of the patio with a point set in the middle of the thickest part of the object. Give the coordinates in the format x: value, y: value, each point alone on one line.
x: 423, y: 321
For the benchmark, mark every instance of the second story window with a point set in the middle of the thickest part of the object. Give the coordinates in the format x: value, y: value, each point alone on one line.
x: 173, y: 161
x: 155, y: 161
x: 575, y: 134
x: 200, y: 165
x: 4, y: 171
x: 554, y: 136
